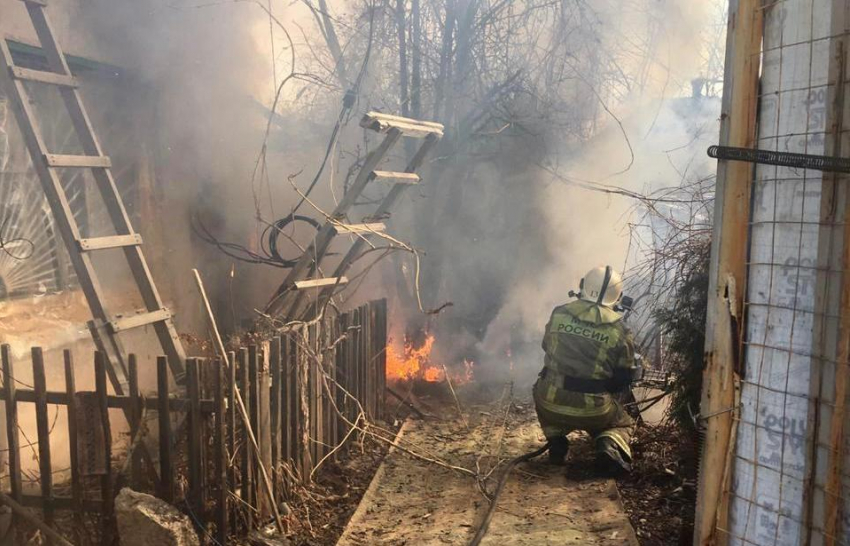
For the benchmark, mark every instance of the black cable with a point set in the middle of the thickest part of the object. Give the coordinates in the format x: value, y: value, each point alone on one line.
x: 485, y: 524
x: 4, y: 244
x: 781, y: 159
x: 347, y: 104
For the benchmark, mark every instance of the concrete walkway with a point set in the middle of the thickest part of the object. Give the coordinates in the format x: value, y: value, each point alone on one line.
x: 414, y: 502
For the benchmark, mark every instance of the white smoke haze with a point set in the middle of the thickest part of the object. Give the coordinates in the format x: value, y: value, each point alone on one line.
x: 503, y: 230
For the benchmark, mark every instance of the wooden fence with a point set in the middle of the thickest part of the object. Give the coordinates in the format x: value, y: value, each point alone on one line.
x: 302, y: 391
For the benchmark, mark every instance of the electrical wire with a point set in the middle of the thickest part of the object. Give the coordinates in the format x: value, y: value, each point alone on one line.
x: 269, y: 238
x: 5, y: 244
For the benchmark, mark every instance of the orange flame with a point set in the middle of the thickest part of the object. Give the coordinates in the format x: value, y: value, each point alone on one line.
x: 409, y: 362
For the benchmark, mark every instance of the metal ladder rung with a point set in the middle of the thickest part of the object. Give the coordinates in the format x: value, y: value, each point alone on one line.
x: 41, y: 76
x: 113, y: 241
x: 136, y: 321
x: 361, y: 229
x: 408, y: 179
x: 321, y: 283
x: 383, y: 123
x: 81, y: 161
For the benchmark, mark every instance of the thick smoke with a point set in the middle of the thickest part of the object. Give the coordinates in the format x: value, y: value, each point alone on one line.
x: 552, y: 231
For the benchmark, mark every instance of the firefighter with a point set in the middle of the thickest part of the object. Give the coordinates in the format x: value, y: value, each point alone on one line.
x: 589, y: 359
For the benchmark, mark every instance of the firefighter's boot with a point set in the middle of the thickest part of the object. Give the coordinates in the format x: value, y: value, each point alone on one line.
x: 609, y: 458
x: 559, y: 447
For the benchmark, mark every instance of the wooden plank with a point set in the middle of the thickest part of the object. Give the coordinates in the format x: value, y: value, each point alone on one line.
x: 254, y: 413
x: 329, y: 390
x: 78, y: 161
x: 115, y: 401
x: 285, y: 400
x: 232, y: 420
x: 366, y: 362
x: 134, y: 417
x: 76, y: 479
x: 727, y: 277
x: 382, y: 123
x: 63, y: 503
x: 382, y: 339
x: 246, y: 466
x: 275, y: 348
x: 41, y: 76
x: 263, y: 430
x: 106, y: 481
x: 372, y: 116
x: 195, y: 439
x: 166, y: 456
x: 42, y: 423
x: 314, y: 399
x: 356, y: 378
x: 320, y: 283
x: 12, y: 429
x: 410, y: 179
x: 304, y: 458
x: 113, y: 241
x: 139, y: 320
x: 361, y: 229
x: 220, y: 451
x: 351, y: 365
x: 340, y: 375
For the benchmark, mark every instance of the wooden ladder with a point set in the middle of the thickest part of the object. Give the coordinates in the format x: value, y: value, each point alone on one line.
x: 105, y: 326
x: 288, y: 301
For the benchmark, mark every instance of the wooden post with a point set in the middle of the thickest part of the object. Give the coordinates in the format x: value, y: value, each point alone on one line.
x: 264, y: 429
x: 230, y: 386
x: 42, y: 423
x: 329, y: 393
x: 135, y: 420
x: 12, y: 424
x: 247, y: 455
x: 195, y: 440
x: 305, y: 462
x: 314, y: 398
x: 220, y: 456
x: 363, y: 361
x: 381, y: 340
x: 254, y: 373
x: 76, y: 481
x: 285, y: 400
x: 106, y: 481
x: 166, y: 486
x: 352, y: 376
x: 371, y: 371
x: 341, y: 378
x: 724, y: 326
x: 274, y: 405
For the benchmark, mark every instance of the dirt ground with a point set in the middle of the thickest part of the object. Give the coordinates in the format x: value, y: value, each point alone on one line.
x: 660, y: 494
x: 412, y: 501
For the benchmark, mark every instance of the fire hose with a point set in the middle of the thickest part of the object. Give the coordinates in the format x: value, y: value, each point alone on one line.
x: 491, y: 510
x: 485, y: 524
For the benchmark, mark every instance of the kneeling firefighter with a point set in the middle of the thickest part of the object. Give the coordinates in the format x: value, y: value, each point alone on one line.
x: 589, y: 359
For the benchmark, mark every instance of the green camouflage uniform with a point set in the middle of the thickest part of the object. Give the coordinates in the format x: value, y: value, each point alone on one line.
x: 584, y: 340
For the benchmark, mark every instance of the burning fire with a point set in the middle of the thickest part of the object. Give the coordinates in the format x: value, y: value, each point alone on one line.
x: 409, y: 362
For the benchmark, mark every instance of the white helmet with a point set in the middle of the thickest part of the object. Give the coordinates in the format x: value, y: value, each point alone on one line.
x: 602, y: 285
